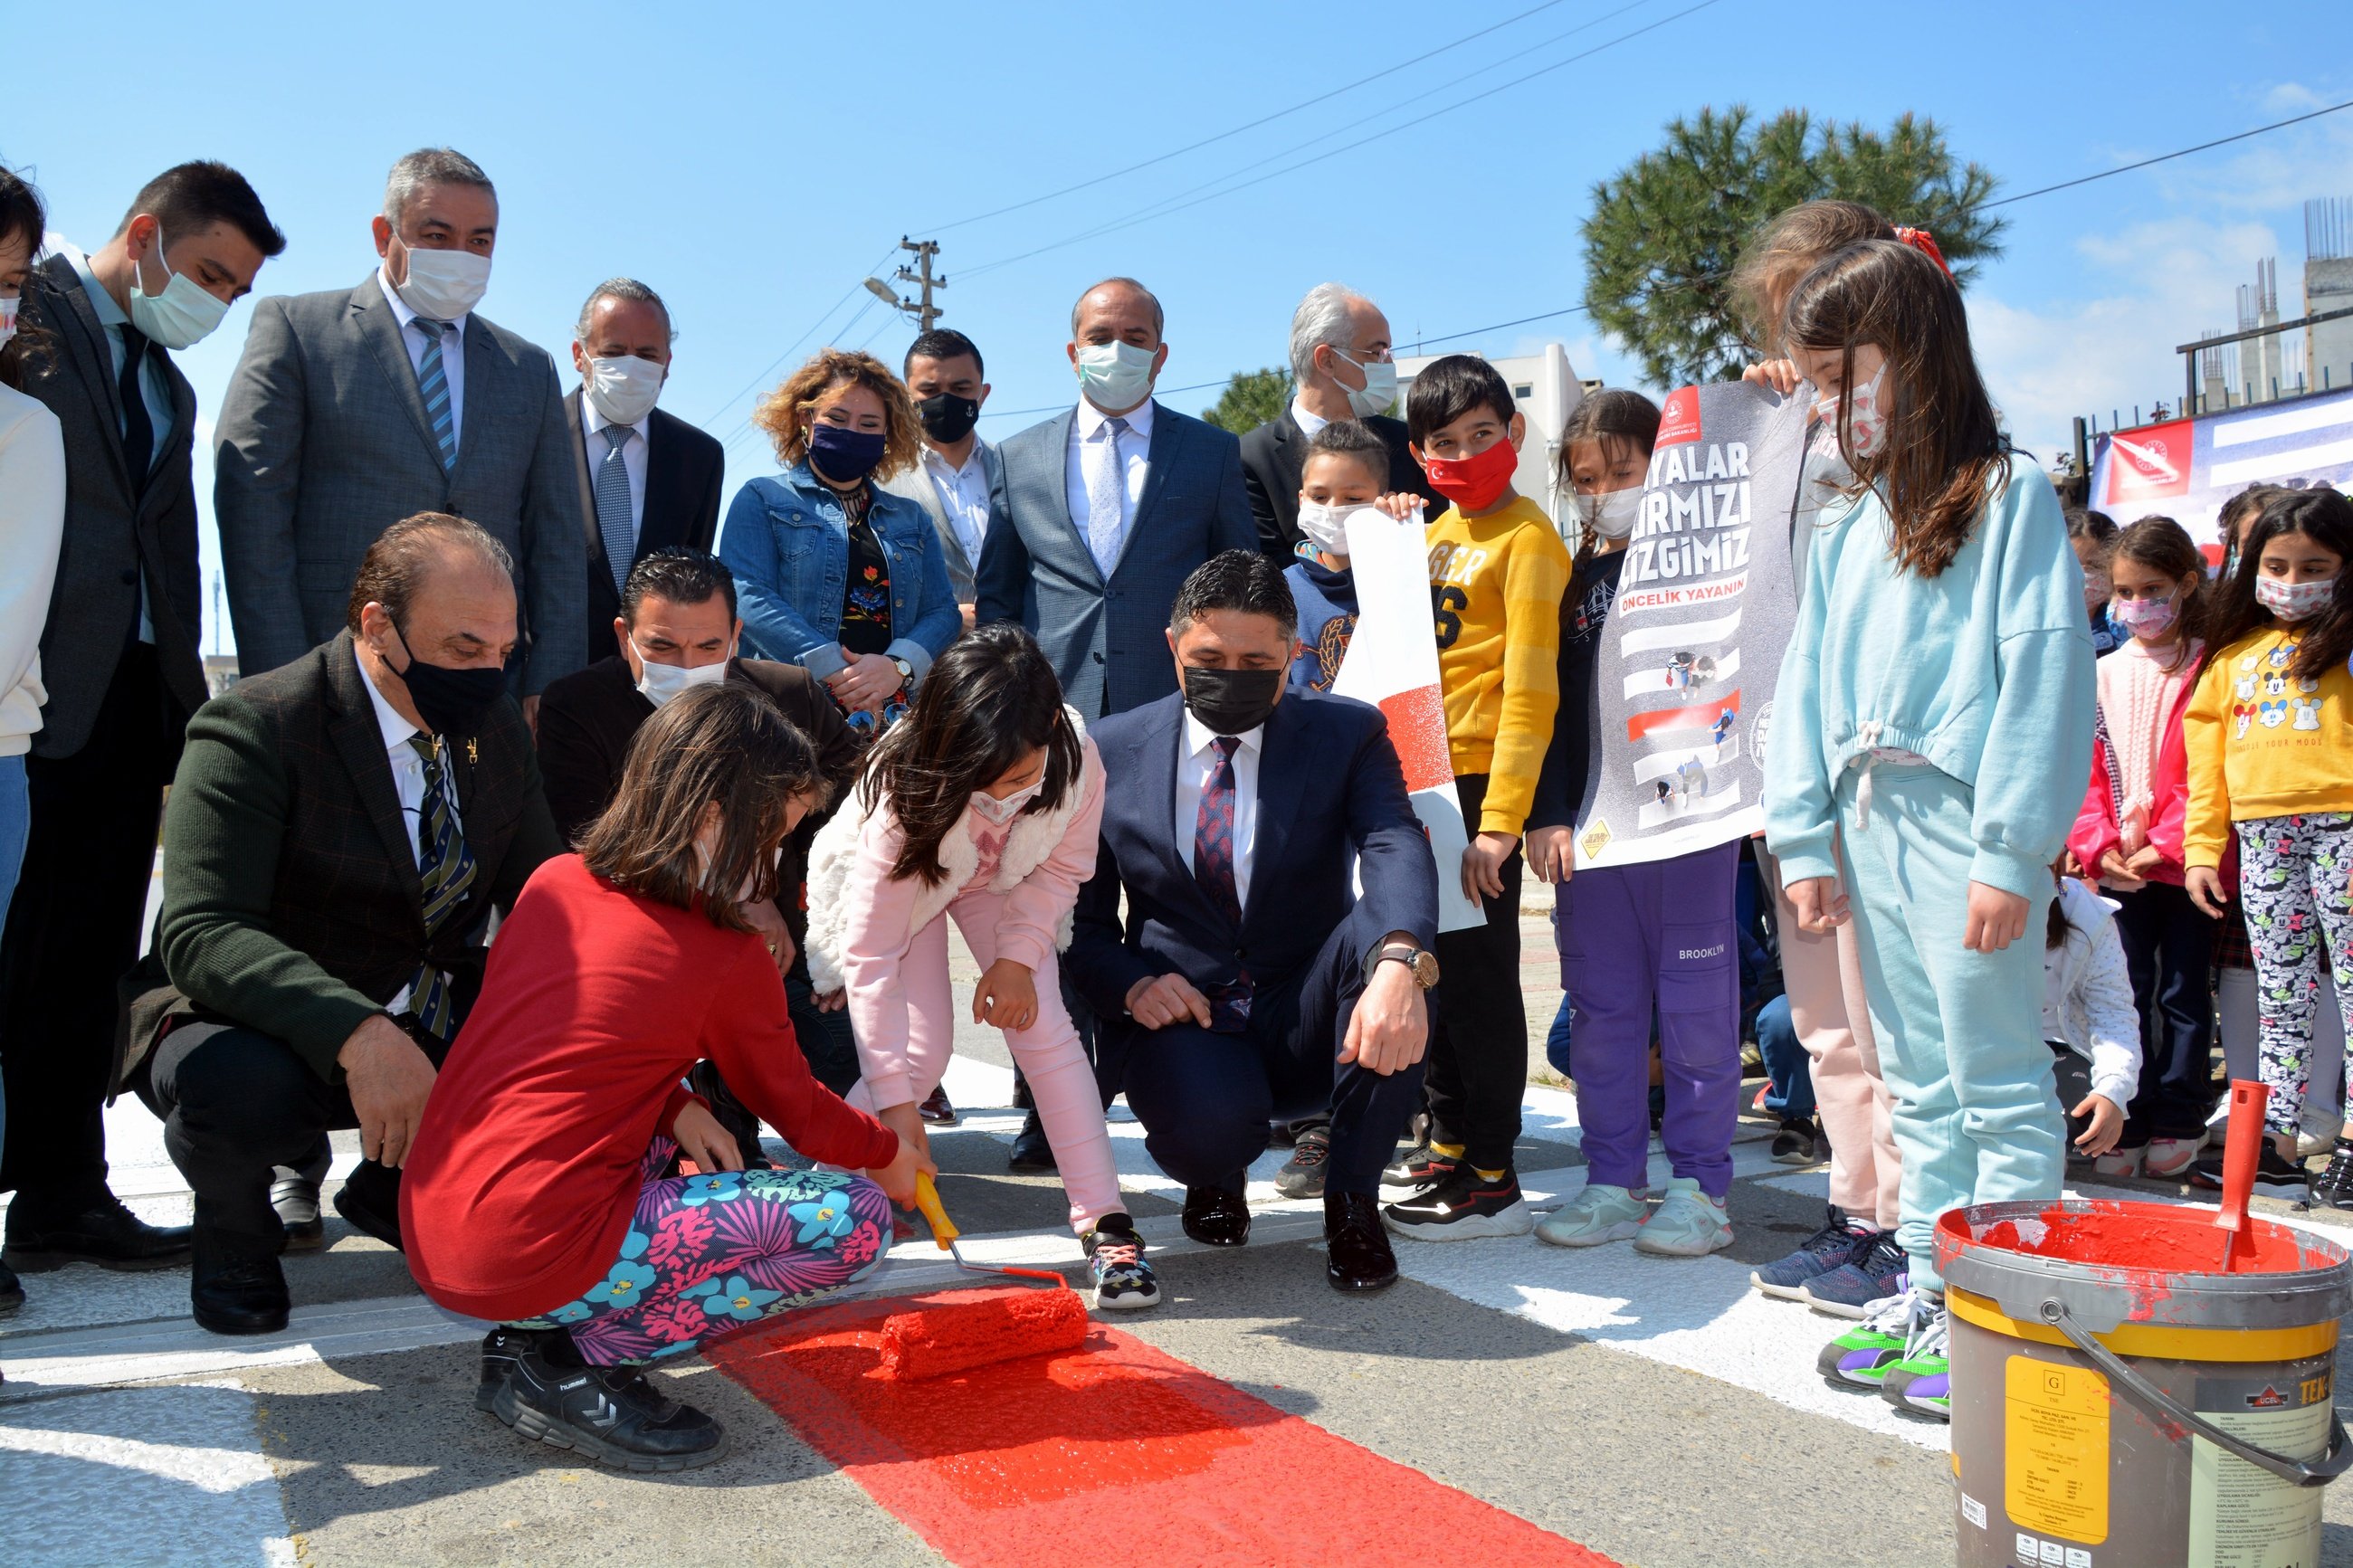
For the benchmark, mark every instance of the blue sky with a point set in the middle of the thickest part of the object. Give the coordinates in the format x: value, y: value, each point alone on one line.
x: 751, y: 163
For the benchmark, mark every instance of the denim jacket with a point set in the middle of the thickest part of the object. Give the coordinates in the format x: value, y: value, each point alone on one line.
x: 788, y: 541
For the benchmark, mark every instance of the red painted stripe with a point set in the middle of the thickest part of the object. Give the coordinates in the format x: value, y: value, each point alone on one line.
x: 1418, y: 729
x: 1048, y: 1461
x: 1698, y: 716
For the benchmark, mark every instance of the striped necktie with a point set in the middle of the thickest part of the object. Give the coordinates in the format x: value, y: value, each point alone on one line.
x: 445, y: 867
x: 612, y: 493
x: 434, y: 387
x: 1213, y: 869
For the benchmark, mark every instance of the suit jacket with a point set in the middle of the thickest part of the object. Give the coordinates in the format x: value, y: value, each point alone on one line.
x: 1274, y: 457
x: 1331, y: 797
x: 684, y: 467
x: 916, y: 485
x: 324, y: 443
x: 119, y: 533
x: 292, y: 901
x: 1107, y: 638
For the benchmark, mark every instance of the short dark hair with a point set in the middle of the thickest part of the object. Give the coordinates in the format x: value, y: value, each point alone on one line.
x: 1353, y: 438
x: 1449, y: 388
x: 942, y: 343
x: 397, y: 560
x: 21, y: 216
x: 681, y: 575
x: 1239, y: 580
x: 189, y: 198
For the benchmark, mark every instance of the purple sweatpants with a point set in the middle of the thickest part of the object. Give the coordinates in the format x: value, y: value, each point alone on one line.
x: 1655, y: 934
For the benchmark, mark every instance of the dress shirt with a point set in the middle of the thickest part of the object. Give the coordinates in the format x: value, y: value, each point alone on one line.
x: 1135, y: 452
x: 633, y: 459
x: 1308, y: 423
x: 964, y: 496
x: 453, y: 353
x: 408, y: 778
x: 1193, y: 769
x: 153, y: 390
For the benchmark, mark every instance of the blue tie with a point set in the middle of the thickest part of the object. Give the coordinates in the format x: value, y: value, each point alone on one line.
x: 613, y: 505
x: 434, y: 387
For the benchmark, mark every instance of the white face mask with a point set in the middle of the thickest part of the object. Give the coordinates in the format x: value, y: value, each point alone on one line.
x: 658, y: 683
x: 1115, y: 375
x: 1379, y: 390
x: 444, y: 284
x: 2294, y: 601
x: 1327, y: 527
x: 1002, y: 811
x: 7, y: 318
x: 1867, y: 426
x: 182, y: 315
x: 624, y: 390
x: 1612, y: 513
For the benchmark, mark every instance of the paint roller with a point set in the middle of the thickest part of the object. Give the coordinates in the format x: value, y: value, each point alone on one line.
x: 958, y: 1336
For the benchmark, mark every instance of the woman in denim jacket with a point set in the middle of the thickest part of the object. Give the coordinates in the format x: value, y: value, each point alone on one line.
x: 833, y: 572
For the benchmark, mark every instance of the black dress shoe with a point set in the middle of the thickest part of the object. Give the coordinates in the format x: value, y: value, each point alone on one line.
x: 611, y: 1414
x: 370, y: 1199
x: 1358, y: 1246
x: 296, y: 1200
x: 1031, y: 1155
x: 12, y: 1292
x: 236, y: 1286
x: 107, y: 1234
x: 1216, y: 1217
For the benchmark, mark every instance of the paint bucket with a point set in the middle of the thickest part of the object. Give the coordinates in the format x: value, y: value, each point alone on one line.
x: 2121, y: 1400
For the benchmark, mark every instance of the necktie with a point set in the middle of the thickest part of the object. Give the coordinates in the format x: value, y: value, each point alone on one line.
x: 613, y: 505
x: 445, y: 867
x: 434, y: 387
x: 1106, y: 496
x: 138, y: 429
x: 1213, y: 869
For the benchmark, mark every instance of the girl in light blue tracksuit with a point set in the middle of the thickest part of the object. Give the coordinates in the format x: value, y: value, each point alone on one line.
x: 1924, y: 755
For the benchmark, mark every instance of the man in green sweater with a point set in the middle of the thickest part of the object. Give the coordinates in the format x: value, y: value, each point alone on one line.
x: 339, y: 833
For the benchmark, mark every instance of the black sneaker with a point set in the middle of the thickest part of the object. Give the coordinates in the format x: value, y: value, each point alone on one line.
x: 1464, y: 1206
x: 1115, y: 1257
x: 504, y: 1345
x: 2276, y: 1178
x: 2333, y: 1188
x: 12, y: 1290
x: 610, y: 1414
x: 1302, y: 1175
x: 1415, y: 1171
x: 1798, y: 1143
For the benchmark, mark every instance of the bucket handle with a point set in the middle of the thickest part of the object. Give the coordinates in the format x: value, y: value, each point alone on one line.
x: 2157, y: 1402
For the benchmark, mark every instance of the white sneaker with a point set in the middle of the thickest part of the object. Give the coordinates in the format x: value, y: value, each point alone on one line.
x: 2168, y: 1157
x: 1687, y: 1223
x: 2120, y: 1162
x: 1600, y: 1213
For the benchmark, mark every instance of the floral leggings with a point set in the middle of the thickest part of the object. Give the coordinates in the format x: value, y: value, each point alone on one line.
x: 2293, y: 883
x: 708, y: 1253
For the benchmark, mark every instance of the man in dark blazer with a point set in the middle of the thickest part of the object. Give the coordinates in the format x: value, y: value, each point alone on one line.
x: 648, y: 481
x: 340, y: 831
x: 1107, y: 508
x: 119, y: 656
x: 354, y: 407
x: 1249, y: 980
x: 1340, y: 361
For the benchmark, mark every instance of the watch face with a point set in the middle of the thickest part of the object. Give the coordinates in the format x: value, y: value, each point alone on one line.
x: 1425, y: 969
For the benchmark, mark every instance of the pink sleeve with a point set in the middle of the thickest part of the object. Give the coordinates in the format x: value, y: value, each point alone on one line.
x: 879, y: 912
x: 2172, y: 791
x: 1034, y: 910
x: 2096, y: 831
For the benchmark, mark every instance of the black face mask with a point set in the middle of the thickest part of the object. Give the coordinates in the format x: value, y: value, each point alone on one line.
x: 948, y: 418
x: 450, y: 701
x: 1232, y: 701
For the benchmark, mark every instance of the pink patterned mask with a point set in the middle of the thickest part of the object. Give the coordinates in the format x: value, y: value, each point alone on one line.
x: 2294, y: 601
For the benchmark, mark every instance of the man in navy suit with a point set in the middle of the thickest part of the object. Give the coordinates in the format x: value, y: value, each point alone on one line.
x: 1107, y: 508
x: 1251, y: 980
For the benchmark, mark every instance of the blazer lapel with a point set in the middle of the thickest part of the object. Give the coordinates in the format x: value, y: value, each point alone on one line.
x: 1156, y: 758
x: 381, y: 331
x: 665, y: 507
x: 1282, y: 779
x: 587, y: 476
x: 85, y: 337
x: 1167, y: 440
x: 359, y: 739
x: 1057, y: 497
x: 483, y: 390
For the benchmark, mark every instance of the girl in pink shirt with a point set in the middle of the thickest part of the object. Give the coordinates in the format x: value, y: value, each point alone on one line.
x: 984, y: 806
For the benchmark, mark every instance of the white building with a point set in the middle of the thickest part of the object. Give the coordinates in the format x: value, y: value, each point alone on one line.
x: 1546, y: 389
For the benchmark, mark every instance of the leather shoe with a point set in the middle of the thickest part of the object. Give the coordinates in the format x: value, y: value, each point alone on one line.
x: 236, y: 1286
x: 1216, y: 1217
x: 107, y: 1234
x: 1031, y: 1155
x: 297, y: 1203
x: 1358, y: 1246
x: 370, y: 1199
x: 12, y: 1292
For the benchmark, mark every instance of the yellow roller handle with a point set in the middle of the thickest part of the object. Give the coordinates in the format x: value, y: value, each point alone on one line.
x: 927, y: 1199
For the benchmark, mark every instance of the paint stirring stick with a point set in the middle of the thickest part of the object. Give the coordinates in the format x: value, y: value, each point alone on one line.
x: 2241, y: 1151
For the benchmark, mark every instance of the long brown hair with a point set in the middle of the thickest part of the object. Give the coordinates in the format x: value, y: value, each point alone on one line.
x: 2164, y: 546
x: 1787, y: 248
x: 724, y: 745
x: 21, y: 217
x: 2323, y: 641
x: 1944, y: 458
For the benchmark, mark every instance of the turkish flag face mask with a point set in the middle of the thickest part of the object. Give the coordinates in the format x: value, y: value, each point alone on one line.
x: 1476, y: 482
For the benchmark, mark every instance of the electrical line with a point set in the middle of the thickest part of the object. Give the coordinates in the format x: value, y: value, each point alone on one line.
x: 771, y: 365
x: 2168, y: 157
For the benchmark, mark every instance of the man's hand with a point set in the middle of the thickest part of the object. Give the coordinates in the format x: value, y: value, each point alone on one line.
x: 1482, y: 865
x: 1007, y: 996
x: 897, y: 1179
x: 1167, y: 999
x: 2117, y: 869
x: 1779, y: 374
x: 1391, y: 1027
x: 531, y: 715
x: 971, y: 613
x: 1551, y: 856
x: 2204, y: 886
x: 1996, y: 920
x: 770, y: 924
x: 1817, y: 904
x: 703, y: 1140
x: 389, y: 1078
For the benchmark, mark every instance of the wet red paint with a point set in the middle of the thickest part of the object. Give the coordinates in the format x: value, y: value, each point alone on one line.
x: 1024, y: 1463
x: 976, y: 1329
x: 2145, y: 1239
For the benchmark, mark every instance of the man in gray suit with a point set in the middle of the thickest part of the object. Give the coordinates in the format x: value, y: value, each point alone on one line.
x: 1108, y: 509
x: 356, y: 407
x: 960, y: 479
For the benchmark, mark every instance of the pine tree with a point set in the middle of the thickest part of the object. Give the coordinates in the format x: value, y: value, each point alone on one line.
x: 1250, y: 399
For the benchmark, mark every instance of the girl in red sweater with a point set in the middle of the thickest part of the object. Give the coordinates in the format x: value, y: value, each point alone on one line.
x: 534, y: 1196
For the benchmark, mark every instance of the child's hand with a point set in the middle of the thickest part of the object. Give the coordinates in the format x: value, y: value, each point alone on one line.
x: 1996, y: 920
x: 1817, y: 904
x: 2107, y: 1124
x: 2204, y: 886
x: 2118, y: 869
x: 1400, y: 504
x: 1007, y: 996
x: 703, y: 1140
x: 907, y: 1121
x: 897, y: 1179
x: 2071, y: 867
x: 1779, y: 374
x: 1482, y: 865
x: 1551, y: 856
x: 770, y: 925
x: 830, y: 1001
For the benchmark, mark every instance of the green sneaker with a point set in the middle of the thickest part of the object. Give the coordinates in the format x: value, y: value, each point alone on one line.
x: 1922, y: 1382
x: 1598, y: 1213
x: 1860, y: 1357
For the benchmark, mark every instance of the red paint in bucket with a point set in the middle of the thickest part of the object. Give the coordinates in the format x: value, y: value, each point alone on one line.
x: 2143, y: 1244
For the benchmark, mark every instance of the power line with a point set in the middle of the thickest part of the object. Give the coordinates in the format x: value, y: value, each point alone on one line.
x: 2168, y: 157
x: 770, y: 368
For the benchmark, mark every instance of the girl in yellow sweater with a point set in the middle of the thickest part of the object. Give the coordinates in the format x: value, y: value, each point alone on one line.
x: 2270, y: 742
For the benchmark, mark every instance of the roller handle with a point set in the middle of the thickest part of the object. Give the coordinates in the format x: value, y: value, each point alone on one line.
x: 927, y: 1199
x: 2242, y: 1151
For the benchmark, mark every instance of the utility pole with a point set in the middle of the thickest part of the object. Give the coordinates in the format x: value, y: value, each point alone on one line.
x: 921, y: 309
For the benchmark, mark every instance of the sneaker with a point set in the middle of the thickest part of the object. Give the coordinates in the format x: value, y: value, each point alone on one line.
x: 2284, y: 1180
x: 1798, y: 1142
x: 1464, y: 1206
x: 609, y: 1413
x: 936, y: 1111
x: 1115, y: 1257
x: 2168, y: 1157
x: 1415, y: 1171
x: 1598, y: 1214
x: 1302, y: 1175
x: 2121, y: 1161
x: 1850, y: 1292
x: 1860, y: 1357
x: 2333, y: 1188
x: 1922, y: 1382
x: 1835, y: 1246
x: 1687, y: 1223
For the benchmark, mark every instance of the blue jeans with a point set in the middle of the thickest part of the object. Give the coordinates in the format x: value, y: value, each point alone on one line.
x: 1791, y: 1092
x: 15, y: 822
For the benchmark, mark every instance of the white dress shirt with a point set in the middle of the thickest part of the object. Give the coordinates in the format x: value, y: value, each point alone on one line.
x: 1194, y: 768
x: 453, y: 352
x: 964, y: 496
x: 1092, y: 429
x: 1308, y: 423
x: 633, y: 459
x: 408, y: 779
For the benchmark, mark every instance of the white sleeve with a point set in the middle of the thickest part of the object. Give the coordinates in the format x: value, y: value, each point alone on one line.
x: 2104, y: 990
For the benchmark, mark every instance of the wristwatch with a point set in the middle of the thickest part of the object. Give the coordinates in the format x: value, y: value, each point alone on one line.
x: 906, y: 670
x: 1420, y: 964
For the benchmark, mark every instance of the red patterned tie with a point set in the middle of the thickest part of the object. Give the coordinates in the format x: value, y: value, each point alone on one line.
x: 1213, y: 868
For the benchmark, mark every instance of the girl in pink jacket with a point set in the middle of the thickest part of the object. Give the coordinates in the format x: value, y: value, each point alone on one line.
x: 984, y: 806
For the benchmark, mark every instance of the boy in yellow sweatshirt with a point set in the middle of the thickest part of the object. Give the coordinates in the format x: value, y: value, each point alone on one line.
x: 1498, y: 571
